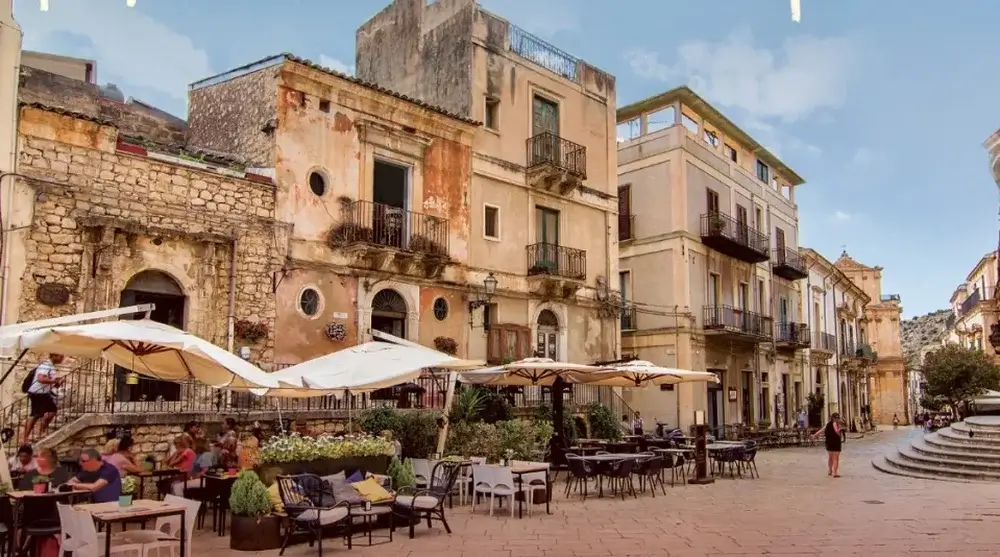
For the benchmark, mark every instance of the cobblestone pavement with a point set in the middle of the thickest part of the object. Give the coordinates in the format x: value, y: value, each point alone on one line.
x: 793, y: 509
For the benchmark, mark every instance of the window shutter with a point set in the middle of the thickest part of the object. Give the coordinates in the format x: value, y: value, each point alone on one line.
x: 494, y: 354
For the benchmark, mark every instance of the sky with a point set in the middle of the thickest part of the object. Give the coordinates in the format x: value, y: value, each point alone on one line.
x: 882, y: 106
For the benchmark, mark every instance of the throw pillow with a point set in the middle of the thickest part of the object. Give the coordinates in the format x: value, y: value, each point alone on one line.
x: 342, y: 490
x: 384, y: 481
x: 356, y: 477
x: 370, y: 490
x: 274, y: 494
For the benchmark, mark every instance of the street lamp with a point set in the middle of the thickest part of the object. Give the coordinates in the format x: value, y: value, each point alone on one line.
x: 489, y: 289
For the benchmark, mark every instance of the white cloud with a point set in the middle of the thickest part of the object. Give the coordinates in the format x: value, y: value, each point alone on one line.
x: 809, y: 76
x: 130, y: 48
x: 335, y: 64
x: 863, y: 156
x: 840, y: 216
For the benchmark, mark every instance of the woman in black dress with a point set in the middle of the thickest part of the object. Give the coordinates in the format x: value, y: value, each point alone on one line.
x: 831, y: 434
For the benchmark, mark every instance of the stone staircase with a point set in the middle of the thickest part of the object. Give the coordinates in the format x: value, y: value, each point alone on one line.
x: 967, y: 451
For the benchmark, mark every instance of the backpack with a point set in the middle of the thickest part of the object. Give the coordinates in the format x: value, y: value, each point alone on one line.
x: 29, y: 380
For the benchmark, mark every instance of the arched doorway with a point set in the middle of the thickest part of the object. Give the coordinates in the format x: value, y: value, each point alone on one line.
x: 389, y: 313
x: 158, y: 288
x: 547, y: 342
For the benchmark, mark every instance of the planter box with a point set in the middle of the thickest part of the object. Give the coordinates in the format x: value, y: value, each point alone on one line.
x: 324, y: 467
x: 255, y: 533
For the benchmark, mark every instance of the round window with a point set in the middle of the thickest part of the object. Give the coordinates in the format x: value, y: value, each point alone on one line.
x: 441, y: 309
x: 317, y: 183
x: 309, y: 302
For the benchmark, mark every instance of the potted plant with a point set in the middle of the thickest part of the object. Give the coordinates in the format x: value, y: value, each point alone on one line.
x: 254, y: 528
x: 716, y: 223
x: 40, y: 484
x: 130, y: 485
x: 401, y: 473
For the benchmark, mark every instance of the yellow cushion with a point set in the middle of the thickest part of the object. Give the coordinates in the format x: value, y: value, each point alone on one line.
x: 370, y: 490
x: 275, y: 496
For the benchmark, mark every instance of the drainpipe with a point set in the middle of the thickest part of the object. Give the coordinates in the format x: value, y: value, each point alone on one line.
x: 10, y: 30
x: 231, y: 327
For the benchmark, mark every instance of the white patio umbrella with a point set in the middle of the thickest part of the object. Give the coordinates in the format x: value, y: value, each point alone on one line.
x: 530, y: 371
x: 147, y: 348
x: 640, y: 373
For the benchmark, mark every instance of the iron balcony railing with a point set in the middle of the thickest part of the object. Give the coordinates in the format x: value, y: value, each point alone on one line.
x: 626, y: 224
x: 847, y: 348
x: 628, y: 317
x: 719, y: 229
x: 560, y: 261
x: 793, y: 333
x: 973, y: 300
x: 367, y: 222
x: 532, y: 48
x: 733, y: 320
x: 548, y: 148
x: 890, y: 298
x: 825, y: 341
x: 787, y: 263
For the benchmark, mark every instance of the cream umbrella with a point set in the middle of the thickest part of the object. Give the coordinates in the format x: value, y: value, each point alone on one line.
x: 147, y: 348
x: 530, y: 371
x: 640, y: 373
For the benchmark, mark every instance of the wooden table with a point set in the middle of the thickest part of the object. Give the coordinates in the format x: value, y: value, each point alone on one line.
x: 17, y: 498
x: 143, y: 509
x: 220, y: 486
x: 520, y: 471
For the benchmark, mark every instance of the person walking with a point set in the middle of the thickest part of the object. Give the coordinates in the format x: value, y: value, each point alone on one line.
x: 40, y: 396
x: 637, y: 426
x: 831, y: 434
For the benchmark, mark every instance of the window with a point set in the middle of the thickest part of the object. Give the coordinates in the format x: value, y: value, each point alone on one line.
x: 758, y: 221
x: 390, y: 184
x: 324, y: 106
x: 317, y: 183
x: 714, y: 289
x: 440, y: 309
x: 508, y: 343
x: 712, y: 201
x: 763, y: 172
x: 711, y: 138
x: 491, y: 117
x: 779, y: 240
x: 761, y: 298
x: 689, y: 123
x: 625, y: 212
x: 730, y: 152
x: 491, y: 222
x: 624, y: 281
x: 783, y: 310
x: 309, y: 302
x: 744, y: 293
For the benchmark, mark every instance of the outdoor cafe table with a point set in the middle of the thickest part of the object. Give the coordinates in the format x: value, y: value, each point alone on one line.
x: 142, y: 509
x: 155, y: 474
x: 673, y: 453
x: 219, y: 487
x: 520, y: 471
x: 17, y: 498
x: 615, y: 457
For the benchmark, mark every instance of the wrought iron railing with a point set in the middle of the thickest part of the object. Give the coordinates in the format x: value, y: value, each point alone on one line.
x: 367, y: 222
x: 890, y: 298
x: 973, y: 300
x: 847, y: 348
x: 825, y: 341
x: 718, y: 224
x: 553, y: 259
x: 728, y: 318
x: 788, y: 257
x: 626, y: 224
x: 548, y: 148
x: 793, y: 333
x: 532, y: 48
x: 628, y: 317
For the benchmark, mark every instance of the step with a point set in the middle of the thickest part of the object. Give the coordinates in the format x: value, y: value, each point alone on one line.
x: 962, y: 462
x: 985, y: 423
x: 941, y: 471
x: 924, y: 448
x: 961, y: 446
x: 961, y: 428
x: 881, y: 464
x: 956, y: 436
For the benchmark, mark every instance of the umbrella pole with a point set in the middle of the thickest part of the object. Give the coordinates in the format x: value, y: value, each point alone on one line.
x: 558, y: 442
x: 448, y: 398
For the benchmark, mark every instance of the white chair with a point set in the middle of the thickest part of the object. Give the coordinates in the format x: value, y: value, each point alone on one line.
x: 535, y: 481
x: 162, y: 540
x: 421, y: 471
x: 91, y: 544
x: 464, y: 480
x: 495, y: 481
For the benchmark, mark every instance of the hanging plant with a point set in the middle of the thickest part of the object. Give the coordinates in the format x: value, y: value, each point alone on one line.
x: 446, y: 345
x: 250, y: 331
x: 336, y: 332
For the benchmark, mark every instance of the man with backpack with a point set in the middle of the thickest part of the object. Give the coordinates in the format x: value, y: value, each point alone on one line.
x: 38, y: 385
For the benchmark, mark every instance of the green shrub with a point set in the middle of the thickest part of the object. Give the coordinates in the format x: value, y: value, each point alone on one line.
x: 525, y: 439
x: 495, y: 407
x: 249, y: 496
x: 571, y: 429
x: 603, y: 424
x: 301, y: 448
x: 468, y: 406
x: 376, y: 420
x: 472, y: 439
x: 418, y: 433
x: 401, y: 474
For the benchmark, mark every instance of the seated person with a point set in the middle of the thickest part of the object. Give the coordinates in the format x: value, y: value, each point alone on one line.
x: 122, y: 458
x: 99, y: 477
x: 46, y: 464
x: 183, y: 461
x: 202, y: 464
x: 23, y: 462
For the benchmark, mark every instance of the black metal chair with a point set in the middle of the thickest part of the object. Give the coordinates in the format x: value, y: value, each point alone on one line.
x: 311, y: 508
x: 619, y: 475
x: 580, y: 474
x: 428, y: 503
x: 749, y: 459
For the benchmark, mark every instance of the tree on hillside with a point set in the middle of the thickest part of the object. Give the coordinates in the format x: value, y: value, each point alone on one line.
x: 957, y: 374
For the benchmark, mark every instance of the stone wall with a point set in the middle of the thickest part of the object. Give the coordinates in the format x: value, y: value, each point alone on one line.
x: 102, y: 215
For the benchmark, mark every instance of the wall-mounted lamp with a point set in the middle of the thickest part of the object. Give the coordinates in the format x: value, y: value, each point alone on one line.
x: 483, y: 300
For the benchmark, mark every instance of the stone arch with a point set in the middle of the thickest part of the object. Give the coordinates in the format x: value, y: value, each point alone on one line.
x: 153, y: 280
x: 410, y: 294
x: 542, y: 314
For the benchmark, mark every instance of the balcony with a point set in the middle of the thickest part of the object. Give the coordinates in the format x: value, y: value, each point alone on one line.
x: 824, y: 342
x: 792, y: 335
x: 560, y: 271
x: 628, y: 318
x: 737, y: 323
x: 889, y: 298
x: 970, y: 303
x: 384, y: 237
x: 626, y: 227
x: 847, y: 349
x: 730, y: 237
x: 863, y: 351
x: 788, y: 264
x: 555, y: 164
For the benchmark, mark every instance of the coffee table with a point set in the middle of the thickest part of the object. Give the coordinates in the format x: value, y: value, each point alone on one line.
x: 368, y: 517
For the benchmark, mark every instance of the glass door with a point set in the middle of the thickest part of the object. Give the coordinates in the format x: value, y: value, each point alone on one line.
x: 547, y: 234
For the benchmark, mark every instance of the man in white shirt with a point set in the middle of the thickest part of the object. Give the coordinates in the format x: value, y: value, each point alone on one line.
x: 43, y: 403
